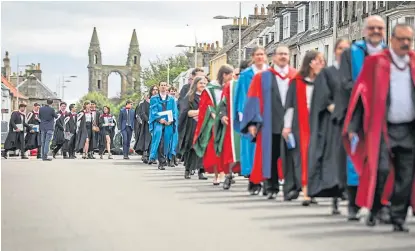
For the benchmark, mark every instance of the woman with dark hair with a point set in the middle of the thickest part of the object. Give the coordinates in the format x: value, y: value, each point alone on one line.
x: 187, y: 125
x: 107, y: 130
x: 247, y: 149
x: 297, y: 126
x: 84, y: 133
x: 327, y: 157
x: 143, y: 141
x: 204, y: 141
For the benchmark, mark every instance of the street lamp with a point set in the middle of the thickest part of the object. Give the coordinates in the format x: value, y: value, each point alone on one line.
x: 240, y: 29
x: 66, y: 80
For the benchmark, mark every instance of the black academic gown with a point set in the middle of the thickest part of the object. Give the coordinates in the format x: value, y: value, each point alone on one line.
x: 83, y: 131
x: 187, y: 127
x: 326, y: 155
x: 143, y: 142
x: 106, y: 131
x: 32, y: 140
x: 137, y: 124
x: 58, y: 134
x: 15, y: 140
x: 70, y: 126
x: 96, y: 135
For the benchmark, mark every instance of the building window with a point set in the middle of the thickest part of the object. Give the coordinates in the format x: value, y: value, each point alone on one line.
x: 340, y: 9
x: 345, y: 11
x: 365, y: 4
x: 410, y: 21
x: 353, y: 9
x: 301, y: 19
x: 99, y: 84
x: 135, y: 59
x: 294, y: 61
x: 381, y: 4
x: 95, y: 59
x: 374, y: 5
x: 326, y: 52
x: 314, y: 14
x: 286, y: 26
x: 326, y: 13
x: 277, y: 30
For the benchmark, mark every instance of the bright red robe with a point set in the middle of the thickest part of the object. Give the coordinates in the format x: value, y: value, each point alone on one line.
x: 207, y: 106
x: 372, y: 87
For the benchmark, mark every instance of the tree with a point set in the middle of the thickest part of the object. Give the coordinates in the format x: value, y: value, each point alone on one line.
x: 100, y: 100
x: 157, y: 70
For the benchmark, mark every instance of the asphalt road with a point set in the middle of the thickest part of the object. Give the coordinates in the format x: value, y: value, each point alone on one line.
x: 102, y: 205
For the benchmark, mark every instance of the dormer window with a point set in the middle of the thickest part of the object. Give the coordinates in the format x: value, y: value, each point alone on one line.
x: 301, y: 19
x: 286, y: 26
x: 314, y: 15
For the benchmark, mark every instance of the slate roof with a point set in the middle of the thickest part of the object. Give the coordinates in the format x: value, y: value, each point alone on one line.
x: 42, y: 91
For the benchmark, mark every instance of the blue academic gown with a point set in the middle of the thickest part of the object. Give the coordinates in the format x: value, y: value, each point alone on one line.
x: 247, y: 148
x: 175, y: 140
x: 156, y: 129
x: 358, y: 52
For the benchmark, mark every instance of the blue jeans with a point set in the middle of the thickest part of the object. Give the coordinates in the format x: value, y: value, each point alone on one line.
x: 46, y: 137
x: 126, y: 140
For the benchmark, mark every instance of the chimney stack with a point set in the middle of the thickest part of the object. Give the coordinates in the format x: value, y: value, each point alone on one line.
x: 234, y: 21
x: 212, y: 46
x: 204, y: 47
x: 262, y: 10
x: 256, y: 10
x: 38, y: 66
x: 208, y: 47
x: 217, y: 45
x: 245, y: 22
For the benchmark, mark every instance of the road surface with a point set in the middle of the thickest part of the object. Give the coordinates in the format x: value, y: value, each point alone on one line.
x: 120, y: 205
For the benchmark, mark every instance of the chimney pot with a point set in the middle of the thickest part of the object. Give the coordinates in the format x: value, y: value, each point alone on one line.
x: 38, y: 66
x: 234, y: 21
x: 256, y: 10
x: 245, y: 21
x: 262, y: 10
x: 217, y: 44
x: 212, y: 46
x: 208, y: 47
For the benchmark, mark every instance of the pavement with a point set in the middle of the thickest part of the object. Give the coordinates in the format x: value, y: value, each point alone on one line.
x: 123, y: 205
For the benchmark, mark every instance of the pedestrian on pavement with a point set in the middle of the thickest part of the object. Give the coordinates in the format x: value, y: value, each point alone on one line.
x: 126, y: 124
x: 15, y: 137
x: 59, y: 134
x: 47, y: 117
x: 32, y: 138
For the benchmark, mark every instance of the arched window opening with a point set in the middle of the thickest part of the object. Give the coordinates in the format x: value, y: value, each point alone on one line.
x: 95, y: 59
x: 135, y: 59
x: 99, y: 84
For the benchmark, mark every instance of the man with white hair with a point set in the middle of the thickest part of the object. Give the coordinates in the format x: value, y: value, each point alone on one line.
x: 350, y: 66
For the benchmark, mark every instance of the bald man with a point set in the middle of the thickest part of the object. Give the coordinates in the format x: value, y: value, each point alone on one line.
x: 268, y: 89
x: 350, y: 66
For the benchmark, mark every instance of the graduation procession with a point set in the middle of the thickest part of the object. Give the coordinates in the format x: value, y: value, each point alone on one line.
x: 325, y: 138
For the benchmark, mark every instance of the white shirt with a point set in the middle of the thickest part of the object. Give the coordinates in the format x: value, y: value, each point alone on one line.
x: 256, y: 70
x: 163, y: 96
x: 373, y: 49
x: 289, y: 114
x: 282, y: 83
x: 402, y: 108
x: 309, y: 93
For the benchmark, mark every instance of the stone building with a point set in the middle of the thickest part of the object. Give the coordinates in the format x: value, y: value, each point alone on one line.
x: 98, y: 73
x: 205, y: 52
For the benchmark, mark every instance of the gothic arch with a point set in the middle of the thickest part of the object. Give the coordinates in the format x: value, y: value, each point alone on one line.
x: 99, y: 73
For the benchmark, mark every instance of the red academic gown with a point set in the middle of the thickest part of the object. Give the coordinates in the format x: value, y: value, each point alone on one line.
x: 206, y: 107
x: 372, y: 87
x: 257, y: 90
x: 227, y: 152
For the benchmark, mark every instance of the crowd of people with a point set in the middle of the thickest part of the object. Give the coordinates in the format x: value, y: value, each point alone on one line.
x: 345, y: 131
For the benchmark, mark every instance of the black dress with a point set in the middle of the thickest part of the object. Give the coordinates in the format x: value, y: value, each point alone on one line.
x: 187, y: 127
x: 15, y: 140
x: 107, y: 128
x: 32, y: 140
x: 143, y: 141
x: 84, y: 131
x: 58, y: 134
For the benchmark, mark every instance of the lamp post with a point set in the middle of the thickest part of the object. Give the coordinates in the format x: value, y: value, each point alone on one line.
x: 240, y: 30
x: 66, y: 79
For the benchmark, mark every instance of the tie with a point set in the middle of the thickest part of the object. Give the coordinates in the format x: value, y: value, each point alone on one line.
x: 128, y: 117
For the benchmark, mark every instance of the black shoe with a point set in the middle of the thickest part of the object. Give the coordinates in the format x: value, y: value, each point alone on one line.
x: 228, y: 182
x: 271, y: 195
x: 384, y: 215
x: 65, y: 157
x: 175, y: 162
x: 306, y: 203
x: 47, y: 159
x: 160, y: 167
x: 4, y: 155
x: 72, y: 157
x: 370, y: 220
x: 292, y: 195
x: 171, y: 163
x: 202, y: 176
x: 92, y: 156
x: 54, y: 154
x: 126, y: 157
x: 352, y: 216
x: 335, y: 207
x: 313, y: 201
x: 25, y: 157
x: 150, y: 162
x: 187, y: 175
x: 399, y: 227
x: 145, y: 161
x: 256, y: 189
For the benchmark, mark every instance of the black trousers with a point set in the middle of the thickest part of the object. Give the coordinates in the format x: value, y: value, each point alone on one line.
x: 161, y: 157
x: 58, y: 147
x: 272, y: 184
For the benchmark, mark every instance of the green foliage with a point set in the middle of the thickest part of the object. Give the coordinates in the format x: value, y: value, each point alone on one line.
x: 99, y: 98
x: 157, y: 70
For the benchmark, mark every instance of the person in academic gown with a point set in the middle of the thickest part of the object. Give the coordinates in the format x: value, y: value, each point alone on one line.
x: 263, y: 119
x: 172, y: 156
x: 187, y: 125
x: 70, y: 131
x: 107, y: 125
x: 204, y: 138
x: 95, y: 121
x: 351, y: 64
x: 59, y: 133
x: 137, y: 124
x: 143, y: 140
x: 15, y: 137
x: 247, y: 148
x: 381, y: 115
x: 84, y: 133
x: 162, y: 130
x: 32, y: 139
x: 326, y: 155
x: 296, y: 122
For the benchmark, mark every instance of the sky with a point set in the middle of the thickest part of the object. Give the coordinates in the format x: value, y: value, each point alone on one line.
x: 57, y: 34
